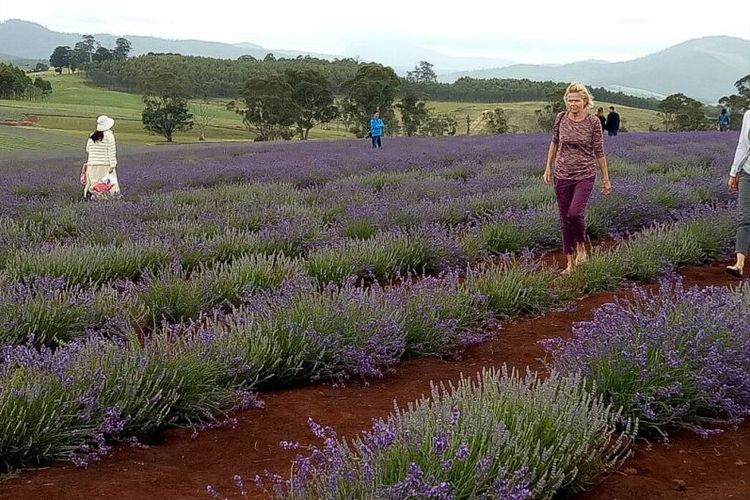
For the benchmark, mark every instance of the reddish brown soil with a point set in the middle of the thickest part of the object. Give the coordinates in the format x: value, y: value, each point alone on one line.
x: 28, y: 121
x: 180, y: 467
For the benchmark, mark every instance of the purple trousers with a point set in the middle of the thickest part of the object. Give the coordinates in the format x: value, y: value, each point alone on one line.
x: 572, y: 198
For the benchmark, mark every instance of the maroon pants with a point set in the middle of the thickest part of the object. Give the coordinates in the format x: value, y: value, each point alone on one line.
x: 572, y: 197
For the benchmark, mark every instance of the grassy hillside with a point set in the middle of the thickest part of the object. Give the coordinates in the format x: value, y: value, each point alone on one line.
x: 521, y: 117
x: 68, y: 116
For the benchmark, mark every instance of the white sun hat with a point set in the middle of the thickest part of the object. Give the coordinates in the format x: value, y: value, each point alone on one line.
x: 103, y: 123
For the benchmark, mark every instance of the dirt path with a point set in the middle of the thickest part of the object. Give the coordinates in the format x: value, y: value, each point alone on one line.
x: 180, y: 467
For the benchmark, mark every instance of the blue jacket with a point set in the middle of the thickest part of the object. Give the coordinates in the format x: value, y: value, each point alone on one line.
x: 376, y: 127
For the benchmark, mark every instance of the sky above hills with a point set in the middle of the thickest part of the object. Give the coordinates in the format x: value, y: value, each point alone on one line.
x: 536, y: 32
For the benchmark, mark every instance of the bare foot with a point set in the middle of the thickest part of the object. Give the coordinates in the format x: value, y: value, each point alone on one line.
x: 581, y: 257
x: 567, y: 271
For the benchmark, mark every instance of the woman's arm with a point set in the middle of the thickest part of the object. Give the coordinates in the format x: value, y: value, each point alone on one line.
x: 606, y: 184
x: 743, y: 146
x: 551, y: 153
x: 111, y: 150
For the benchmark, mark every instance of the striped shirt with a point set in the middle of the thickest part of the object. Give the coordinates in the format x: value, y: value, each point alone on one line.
x: 579, y: 147
x: 103, y: 152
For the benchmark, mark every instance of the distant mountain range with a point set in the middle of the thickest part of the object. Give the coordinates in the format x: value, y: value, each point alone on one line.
x: 703, y: 68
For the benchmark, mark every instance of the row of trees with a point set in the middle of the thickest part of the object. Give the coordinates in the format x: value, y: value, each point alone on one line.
x: 288, y: 104
x: 680, y: 113
x: 87, y: 52
x: 204, y: 76
x: 15, y: 84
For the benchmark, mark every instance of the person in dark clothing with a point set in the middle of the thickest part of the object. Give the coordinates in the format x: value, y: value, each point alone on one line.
x: 600, y: 115
x: 722, y: 122
x: 613, y: 122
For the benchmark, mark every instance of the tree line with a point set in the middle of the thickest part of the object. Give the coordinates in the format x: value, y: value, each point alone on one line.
x: 224, y: 78
x: 86, y: 53
x: 16, y: 85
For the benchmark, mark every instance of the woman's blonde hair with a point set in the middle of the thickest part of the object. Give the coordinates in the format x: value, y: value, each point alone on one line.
x: 580, y: 88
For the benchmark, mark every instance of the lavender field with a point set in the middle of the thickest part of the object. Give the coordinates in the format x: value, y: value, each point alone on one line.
x: 228, y: 269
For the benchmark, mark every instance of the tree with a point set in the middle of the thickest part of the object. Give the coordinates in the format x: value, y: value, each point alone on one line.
x: 312, y: 93
x: 15, y: 84
x: 60, y: 58
x: 40, y: 66
x: 270, y: 107
x: 88, y: 46
x: 204, y: 117
x: 738, y: 103
x: 495, y: 121
x: 439, y: 124
x: 413, y: 113
x: 103, y: 54
x: 166, y: 115
x: 166, y: 110
x: 269, y: 57
x: 373, y: 88
x: 681, y: 113
x: 44, y: 85
x: 545, y: 118
x: 423, y: 73
x: 122, y: 49
x: 468, y: 124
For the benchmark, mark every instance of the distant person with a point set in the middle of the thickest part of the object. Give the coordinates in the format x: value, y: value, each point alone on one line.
x: 739, y: 180
x: 600, y: 115
x: 722, y: 122
x: 99, y: 175
x: 376, y: 130
x: 576, y: 149
x: 613, y: 122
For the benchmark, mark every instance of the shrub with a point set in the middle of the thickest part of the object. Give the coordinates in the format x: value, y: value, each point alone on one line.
x: 673, y: 358
x: 499, y: 436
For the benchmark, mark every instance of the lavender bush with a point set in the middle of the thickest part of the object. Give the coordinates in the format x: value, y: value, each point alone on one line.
x: 497, y: 436
x: 673, y: 358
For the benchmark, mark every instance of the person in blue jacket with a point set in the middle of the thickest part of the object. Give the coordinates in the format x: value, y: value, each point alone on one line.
x: 722, y: 122
x: 376, y: 130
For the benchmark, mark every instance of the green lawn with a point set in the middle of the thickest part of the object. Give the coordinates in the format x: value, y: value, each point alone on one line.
x: 68, y: 116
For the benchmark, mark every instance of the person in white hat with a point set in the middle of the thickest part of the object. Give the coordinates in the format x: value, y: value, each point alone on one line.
x: 100, y: 171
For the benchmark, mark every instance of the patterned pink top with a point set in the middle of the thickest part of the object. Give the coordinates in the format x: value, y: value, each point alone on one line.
x: 579, y: 146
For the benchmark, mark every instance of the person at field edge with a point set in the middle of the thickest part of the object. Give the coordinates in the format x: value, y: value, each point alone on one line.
x: 722, y: 121
x: 739, y: 180
x: 575, y: 151
x: 100, y: 175
x: 376, y: 130
x: 600, y: 115
x: 613, y: 122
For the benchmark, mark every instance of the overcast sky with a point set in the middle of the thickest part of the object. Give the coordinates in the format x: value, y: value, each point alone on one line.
x: 519, y: 30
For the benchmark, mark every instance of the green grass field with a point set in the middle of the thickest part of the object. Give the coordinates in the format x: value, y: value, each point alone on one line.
x: 521, y: 117
x: 68, y: 116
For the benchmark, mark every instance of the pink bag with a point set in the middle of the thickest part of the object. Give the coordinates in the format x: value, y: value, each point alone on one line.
x: 103, y: 185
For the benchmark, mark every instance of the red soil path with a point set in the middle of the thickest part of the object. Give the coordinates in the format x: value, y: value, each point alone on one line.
x: 179, y: 467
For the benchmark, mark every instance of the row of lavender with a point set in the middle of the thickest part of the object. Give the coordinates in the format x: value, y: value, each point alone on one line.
x: 59, y: 292
x: 315, y: 163
x: 170, y: 257
x: 662, y: 361
x: 96, y: 389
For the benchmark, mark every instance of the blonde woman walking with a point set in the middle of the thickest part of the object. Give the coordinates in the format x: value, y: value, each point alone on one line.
x: 576, y: 149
